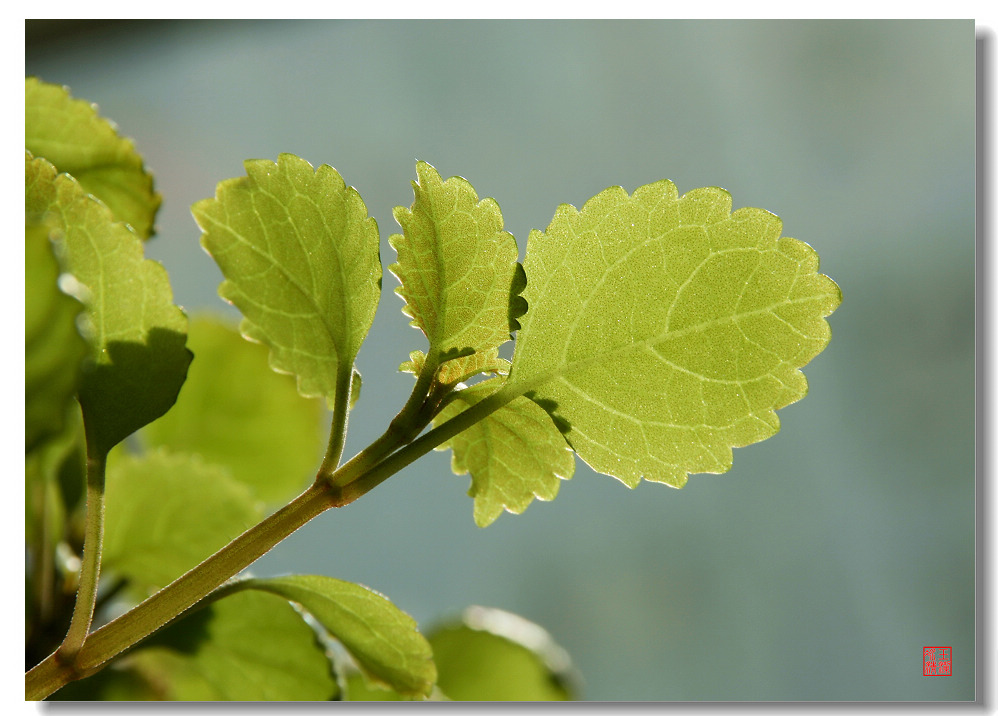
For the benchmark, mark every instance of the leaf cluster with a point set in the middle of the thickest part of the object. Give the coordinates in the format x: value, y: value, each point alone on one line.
x: 653, y: 332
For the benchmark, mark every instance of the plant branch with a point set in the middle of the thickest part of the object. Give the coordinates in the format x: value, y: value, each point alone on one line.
x: 165, y: 605
x: 408, y: 423
x: 161, y: 608
x: 425, y: 443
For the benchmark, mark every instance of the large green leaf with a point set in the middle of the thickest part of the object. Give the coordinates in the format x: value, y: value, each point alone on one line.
x: 235, y: 411
x: 138, y: 359
x: 166, y: 513
x: 248, y: 646
x: 493, y: 655
x: 300, y: 259
x: 71, y: 135
x: 456, y: 265
x: 381, y: 638
x: 53, y: 347
x: 665, y: 330
x: 513, y: 454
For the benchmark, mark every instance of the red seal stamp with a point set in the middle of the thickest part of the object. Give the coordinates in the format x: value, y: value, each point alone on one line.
x: 937, y: 661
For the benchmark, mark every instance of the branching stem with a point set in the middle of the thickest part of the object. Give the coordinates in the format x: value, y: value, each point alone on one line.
x: 357, y: 477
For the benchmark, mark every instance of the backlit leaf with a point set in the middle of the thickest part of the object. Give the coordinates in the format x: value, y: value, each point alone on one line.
x: 53, y: 347
x: 513, y: 454
x: 381, y: 638
x: 493, y: 655
x: 138, y: 359
x: 300, y: 258
x: 237, y: 412
x: 455, y: 263
x: 165, y: 513
x: 71, y: 135
x: 665, y: 330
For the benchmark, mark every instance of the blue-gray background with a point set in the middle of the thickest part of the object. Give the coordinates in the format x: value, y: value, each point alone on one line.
x: 824, y: 561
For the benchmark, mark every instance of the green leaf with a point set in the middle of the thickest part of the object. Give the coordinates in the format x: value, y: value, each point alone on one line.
x: 300, y: 258
x: 117, y: 682
x: 456, y: 265
x: 248, y: 646
x: 493, y: 655
x: 357, y: 688
x: 166, y: 513
x: 237, y: 412
x: 381, y: 638
x: 137, y: 360
x: 456, y: 370
x: 665, y: 331
x: 71, y: 135
x: 513, y: 454
x: 53, y: 347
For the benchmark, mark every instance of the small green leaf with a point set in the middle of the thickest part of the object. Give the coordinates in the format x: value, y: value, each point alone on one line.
x: 138, y: 359
x: 381, y: 638
x: 166, y: 513
x: 456, y: 370
x: 666, y: 330
x: 357, y: 688
x: 77, y: 140
x: 237, y: 412
x: 493, y: 655
x: 514, y: 454
x: 53, y: 347
x: 249, y: 646
x: 300, y: 258
x: 455, y: 263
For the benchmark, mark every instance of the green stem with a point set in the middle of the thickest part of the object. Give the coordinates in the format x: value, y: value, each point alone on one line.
x: 86, y: 595
x: 59, y: 669
x: 425, y: 443
x: 408, y: 423
x: 338, y: 430
x: 171, y: 601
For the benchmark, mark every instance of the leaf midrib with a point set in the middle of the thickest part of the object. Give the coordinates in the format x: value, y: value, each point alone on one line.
x: 309, y: 299
x: 563, y: 369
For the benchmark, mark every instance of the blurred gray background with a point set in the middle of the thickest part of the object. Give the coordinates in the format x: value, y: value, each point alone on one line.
x: 823, y: 562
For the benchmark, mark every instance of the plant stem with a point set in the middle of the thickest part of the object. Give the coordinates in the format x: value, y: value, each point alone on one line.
x: 86, y: 595
x: 171, y: 601
x: 425, y: 443
x: 338, y: 429
x: 408, y: 423
x: 165, y: 605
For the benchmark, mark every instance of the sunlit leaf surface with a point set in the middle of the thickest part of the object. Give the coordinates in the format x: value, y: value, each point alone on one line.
x: 300, y: 259
x: 665, y: 330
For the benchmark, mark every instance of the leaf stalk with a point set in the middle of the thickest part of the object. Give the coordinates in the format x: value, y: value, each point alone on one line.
x: 86, y: 595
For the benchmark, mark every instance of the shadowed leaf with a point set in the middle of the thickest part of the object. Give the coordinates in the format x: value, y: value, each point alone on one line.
x: 138, y: 359
x: 234, y: 410
x: 381, y: 638
x: 53, y: 347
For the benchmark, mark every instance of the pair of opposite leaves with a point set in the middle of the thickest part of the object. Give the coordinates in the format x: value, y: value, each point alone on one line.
x: 659, y: 330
